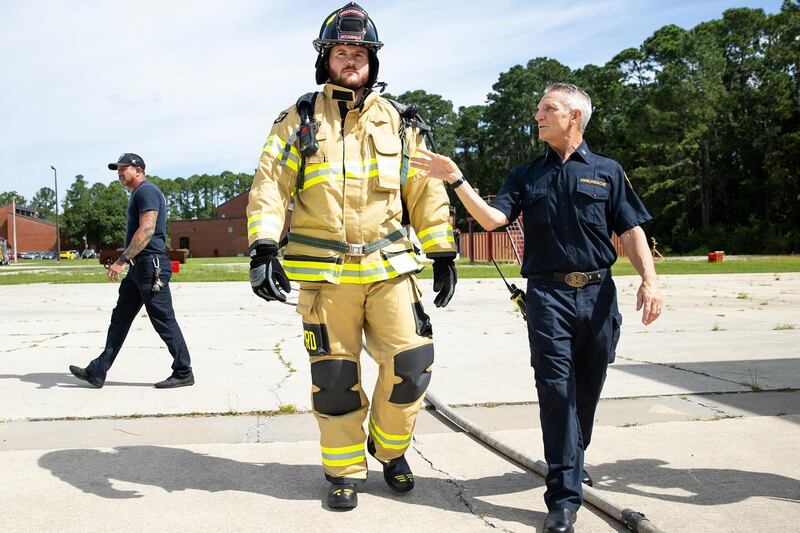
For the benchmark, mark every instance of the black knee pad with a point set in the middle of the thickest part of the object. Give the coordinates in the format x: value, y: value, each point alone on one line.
x: 335, y: 378
x: 412, y: 367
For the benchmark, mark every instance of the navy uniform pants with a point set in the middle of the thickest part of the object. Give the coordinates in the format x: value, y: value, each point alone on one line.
x: 135, y: 290
x: 573, y: 335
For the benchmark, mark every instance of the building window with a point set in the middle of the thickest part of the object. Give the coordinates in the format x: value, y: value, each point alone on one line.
x: 230, y: 229
x: 183, y: 242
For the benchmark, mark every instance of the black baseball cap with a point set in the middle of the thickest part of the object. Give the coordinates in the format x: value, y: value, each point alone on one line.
x: 127, y: 160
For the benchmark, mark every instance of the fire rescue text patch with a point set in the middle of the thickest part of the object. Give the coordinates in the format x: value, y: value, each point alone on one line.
x: 315, y: 337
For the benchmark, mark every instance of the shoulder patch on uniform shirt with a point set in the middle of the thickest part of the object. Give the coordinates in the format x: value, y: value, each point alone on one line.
x: 626, y: 179
x: 594, y: 182
x: 282, y: 116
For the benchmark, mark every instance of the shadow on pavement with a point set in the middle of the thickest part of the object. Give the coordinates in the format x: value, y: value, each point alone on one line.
x: 761, y: 376
x: 48, y: 380
x: 175, y: 469
x: 697, y: 486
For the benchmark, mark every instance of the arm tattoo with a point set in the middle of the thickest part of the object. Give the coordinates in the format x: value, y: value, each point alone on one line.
x: 147, y: 228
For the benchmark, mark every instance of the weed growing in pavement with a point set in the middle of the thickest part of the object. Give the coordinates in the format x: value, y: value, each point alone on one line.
x: 287, y: 409
x: 754, y: 386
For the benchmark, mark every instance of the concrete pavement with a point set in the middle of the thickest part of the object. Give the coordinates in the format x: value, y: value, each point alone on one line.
x: 697, y: 428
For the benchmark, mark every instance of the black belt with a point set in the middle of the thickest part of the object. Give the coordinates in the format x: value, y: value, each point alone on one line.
x: 573, y: 279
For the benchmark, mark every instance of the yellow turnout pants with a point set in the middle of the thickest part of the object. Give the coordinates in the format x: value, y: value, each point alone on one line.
x: 398, y: 335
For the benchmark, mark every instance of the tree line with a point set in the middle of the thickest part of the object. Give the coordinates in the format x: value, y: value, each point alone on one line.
x: 98, y: 212
x: 705, y: 121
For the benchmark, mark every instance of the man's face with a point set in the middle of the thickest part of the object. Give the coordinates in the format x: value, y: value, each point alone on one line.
x: 128, y: 175
x: 348, y: 66
x: 554, y: 117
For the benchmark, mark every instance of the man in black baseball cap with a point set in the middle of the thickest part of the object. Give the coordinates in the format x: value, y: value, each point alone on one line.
x: 127, y: 160
x: 147, y: 283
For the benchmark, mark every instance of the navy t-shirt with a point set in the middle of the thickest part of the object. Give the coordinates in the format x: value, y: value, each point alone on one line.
x: 147, y: 197
x: 569, y: 210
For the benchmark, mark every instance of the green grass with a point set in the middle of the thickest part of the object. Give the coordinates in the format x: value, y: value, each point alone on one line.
x: 235, y: 269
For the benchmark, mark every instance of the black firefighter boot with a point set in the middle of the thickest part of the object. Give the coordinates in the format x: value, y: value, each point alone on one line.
x: 343, y: 496
x: 396, y: 472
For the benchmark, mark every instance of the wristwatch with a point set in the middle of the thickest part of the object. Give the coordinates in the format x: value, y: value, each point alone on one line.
x: 125, y: 259
x: 460, y: 181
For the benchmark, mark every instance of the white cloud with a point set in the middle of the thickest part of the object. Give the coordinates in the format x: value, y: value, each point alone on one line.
x: 193, y: 86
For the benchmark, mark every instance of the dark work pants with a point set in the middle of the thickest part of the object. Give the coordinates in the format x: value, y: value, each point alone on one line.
x: 135, y: 290
x: 573, y: 335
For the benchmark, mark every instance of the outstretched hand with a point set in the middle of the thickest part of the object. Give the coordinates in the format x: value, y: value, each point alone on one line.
x: 435, y: 166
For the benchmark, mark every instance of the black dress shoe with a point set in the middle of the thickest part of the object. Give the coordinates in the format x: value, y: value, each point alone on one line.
x: 560, y: 521
x: 82, y: 373
x: 586, y: 479
x: 172, y: 382
x: 342, y: 496
x: 396, y: 472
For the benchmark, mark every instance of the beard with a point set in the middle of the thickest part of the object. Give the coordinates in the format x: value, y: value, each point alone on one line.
x: 348, y: 81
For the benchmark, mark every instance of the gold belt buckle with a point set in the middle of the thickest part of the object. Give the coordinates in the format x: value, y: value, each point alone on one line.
x: 576, y: 279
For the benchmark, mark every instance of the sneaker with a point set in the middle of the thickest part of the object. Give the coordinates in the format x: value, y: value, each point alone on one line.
x: 82, y: 373
x: 173, y: 382
x: 396, y: 472
x: 342, y: 496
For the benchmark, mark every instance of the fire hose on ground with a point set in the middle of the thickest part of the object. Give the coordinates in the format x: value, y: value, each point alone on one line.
x: 633, y: 520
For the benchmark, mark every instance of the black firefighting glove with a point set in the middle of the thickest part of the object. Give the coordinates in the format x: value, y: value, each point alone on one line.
x: 267, y: 278
x: 444, y: 280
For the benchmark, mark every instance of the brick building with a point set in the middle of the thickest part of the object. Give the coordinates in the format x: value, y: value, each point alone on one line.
x: 33, y: 233
x: 223, y: 236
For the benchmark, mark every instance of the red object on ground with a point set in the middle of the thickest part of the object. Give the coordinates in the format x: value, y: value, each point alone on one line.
x: 712, y: 257
x: 176, y: 266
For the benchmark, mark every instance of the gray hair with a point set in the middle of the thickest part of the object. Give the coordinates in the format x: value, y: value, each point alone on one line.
x: 576, y: 98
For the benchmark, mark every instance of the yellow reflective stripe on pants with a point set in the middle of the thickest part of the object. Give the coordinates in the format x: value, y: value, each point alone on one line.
x: 276, y: 147
x: 344, y: 456
x: 387, y: 440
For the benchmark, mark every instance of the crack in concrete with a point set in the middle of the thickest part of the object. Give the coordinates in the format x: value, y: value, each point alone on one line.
x: 460, y: 489
x: 715, y: 409
x: 254, y: 435
x: 286, y: 364
x: 676, y: 367
x: 35, y: 344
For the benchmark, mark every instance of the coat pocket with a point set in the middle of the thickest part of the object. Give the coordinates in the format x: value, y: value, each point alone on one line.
x: 387, y: 159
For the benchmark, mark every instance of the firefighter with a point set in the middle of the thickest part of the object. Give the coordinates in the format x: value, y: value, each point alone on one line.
x: 348, y: 248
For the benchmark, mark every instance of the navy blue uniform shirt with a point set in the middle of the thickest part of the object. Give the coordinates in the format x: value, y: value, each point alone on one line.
x: 569, y: 210
x: 148, y: 197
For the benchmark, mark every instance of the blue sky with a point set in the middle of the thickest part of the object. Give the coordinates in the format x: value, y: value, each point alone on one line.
x: 193, y: 87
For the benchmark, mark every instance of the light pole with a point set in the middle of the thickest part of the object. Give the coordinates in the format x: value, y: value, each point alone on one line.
x: 58, y: 232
